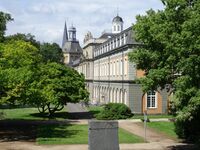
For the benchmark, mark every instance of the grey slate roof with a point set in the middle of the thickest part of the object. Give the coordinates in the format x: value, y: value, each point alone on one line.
x: 65, y: 36
x: 72, y: 47
x: 76, y: 62
x: 117, y: 19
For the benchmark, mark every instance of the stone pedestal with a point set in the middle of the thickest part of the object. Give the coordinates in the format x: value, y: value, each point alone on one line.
x: 103, y: 135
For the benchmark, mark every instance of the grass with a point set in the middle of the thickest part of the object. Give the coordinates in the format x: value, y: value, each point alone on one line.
x: 152, y: 116
x: 95, y: 109
x: 75, y: 134
x: 30, y: 114
x: 167, y: 128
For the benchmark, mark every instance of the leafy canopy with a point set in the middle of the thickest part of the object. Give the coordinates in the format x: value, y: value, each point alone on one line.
x: 170, y: 54
x: 4, y: 18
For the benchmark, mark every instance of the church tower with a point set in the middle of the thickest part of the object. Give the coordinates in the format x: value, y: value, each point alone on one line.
x: 117, y: 24
x: 72, y: 33
x: 70, y: 46
x: 65, y: 35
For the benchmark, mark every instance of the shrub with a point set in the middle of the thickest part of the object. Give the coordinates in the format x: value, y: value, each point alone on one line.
x: 114, y: 111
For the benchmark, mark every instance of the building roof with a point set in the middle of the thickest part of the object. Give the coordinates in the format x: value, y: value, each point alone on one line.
x: 117, y: 19
x: 65, y: 36
x: 72, y: 46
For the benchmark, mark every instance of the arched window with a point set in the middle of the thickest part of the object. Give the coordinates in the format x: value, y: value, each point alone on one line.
x: 110, y: 95
x: 117, y: 96
x: 125, y: 97
x: 121, y: 96
x: 113, y: 100
x: 114, y: 28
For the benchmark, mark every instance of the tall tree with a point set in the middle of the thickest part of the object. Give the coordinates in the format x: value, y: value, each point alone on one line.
x: 170, y: 55
x: 56, y: 85
x: 4, y: 18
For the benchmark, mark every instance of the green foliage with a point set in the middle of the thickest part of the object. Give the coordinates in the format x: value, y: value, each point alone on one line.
x: 23, y: 37
x: 4, y: 18
x: 170, y: 54
x: 51, y: 52
x: 55, y: 86
x: 113, y: 111
x: 17, y: 66
x: 26, y: 79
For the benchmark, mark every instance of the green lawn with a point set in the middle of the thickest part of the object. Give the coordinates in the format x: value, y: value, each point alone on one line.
x: 152, y: 116
x: 76, y: 134
x: 30, y: 114
x: 95, y: 109
x: 166, y: 128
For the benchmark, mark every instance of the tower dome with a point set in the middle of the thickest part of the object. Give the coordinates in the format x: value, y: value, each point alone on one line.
x: 117, y: 24
x: 117, y: 19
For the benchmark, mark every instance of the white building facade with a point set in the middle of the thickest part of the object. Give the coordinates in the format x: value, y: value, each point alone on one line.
x: 110, y: 76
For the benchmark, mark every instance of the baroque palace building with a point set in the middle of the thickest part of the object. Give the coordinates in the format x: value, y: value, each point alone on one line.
x: 110, y: 76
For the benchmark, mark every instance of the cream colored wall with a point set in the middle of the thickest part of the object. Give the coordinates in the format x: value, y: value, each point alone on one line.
x: 112, y: 67
x: 66, y: 58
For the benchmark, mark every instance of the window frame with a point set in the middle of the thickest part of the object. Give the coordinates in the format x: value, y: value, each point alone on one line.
x: 151, y: 100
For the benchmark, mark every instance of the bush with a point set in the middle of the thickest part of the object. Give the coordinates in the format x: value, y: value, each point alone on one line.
x: 114, y: 111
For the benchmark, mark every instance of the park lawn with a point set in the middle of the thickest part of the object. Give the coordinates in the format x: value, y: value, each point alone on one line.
x: 95, y: 109
x: 152, y: 116
x: 75, y: 134
x: 167, y: 128
x: 30, y: 114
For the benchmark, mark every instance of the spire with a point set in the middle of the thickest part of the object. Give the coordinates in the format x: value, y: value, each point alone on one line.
x: 65, y: 35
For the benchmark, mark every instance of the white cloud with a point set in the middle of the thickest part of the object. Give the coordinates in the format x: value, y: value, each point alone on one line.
x: 45, y: 19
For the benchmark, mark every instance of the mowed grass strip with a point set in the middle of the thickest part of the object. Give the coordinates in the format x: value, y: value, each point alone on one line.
x: 75, y: 134
x: 152, y: 116
x: 30, y: 114
x: 167, y: 128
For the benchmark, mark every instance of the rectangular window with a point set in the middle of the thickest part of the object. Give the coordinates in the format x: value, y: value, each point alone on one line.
x: 151, y: 99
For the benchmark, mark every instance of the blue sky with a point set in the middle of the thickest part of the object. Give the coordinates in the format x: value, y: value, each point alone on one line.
x: 45, y: 18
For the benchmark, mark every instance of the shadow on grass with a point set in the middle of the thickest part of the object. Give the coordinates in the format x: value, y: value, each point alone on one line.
x: 64, y: 115
x: 27, y: 130
x: 56, y: 115
x: 55, y: 131
x: 80, y: 115
x: 13, y: 130
x: 183, y: 147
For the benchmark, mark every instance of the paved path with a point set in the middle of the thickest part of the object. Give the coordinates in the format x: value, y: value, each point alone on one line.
x: 78, y: 111
x: 71, y: 107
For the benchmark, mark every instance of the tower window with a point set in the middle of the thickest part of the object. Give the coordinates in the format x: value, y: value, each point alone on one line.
x: 114, y: 28
x: 118, y: 28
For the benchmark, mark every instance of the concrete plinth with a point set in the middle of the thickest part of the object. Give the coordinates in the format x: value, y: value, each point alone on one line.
x: 103, y: 135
